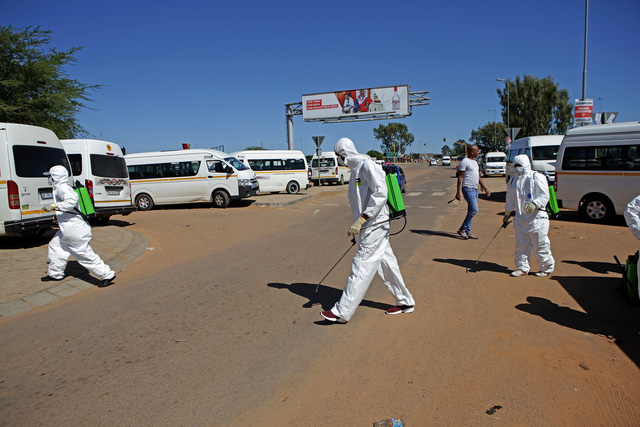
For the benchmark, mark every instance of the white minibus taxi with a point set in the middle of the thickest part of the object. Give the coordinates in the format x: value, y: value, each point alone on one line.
x: 493, y: 163
x: 542, y: 151
x: 330, y: 170
x: 26, y: 153
x: 101, y: 168
x: 277, y: 170
x: 598, y: 169
x: 188, y: 176
x: 446, y: 161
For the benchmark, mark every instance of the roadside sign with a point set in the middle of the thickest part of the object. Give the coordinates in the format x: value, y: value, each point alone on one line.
x: 512, y: 133
x: 583, y: 110
x: 318, y: 140
x: 602, y: 118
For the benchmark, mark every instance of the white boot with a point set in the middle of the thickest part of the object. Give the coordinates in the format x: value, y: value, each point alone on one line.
x: 518, y: 273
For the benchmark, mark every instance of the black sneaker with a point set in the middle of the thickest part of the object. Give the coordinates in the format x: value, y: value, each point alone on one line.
x: 107, y: 282
x: 48, y: 278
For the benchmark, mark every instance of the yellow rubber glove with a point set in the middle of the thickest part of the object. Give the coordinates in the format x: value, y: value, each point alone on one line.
x: 505, y: 220
x: 530, y: 207
x: 356, y: 226
x: 51, y: 207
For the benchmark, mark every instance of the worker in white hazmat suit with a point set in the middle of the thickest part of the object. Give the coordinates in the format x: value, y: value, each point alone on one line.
x: 632, y: 217
x: 528, y: 195
x: 74, y: 234
x: 368, y: 198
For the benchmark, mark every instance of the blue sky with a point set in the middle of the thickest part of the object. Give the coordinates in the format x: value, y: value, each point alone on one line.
x: 219, y: 73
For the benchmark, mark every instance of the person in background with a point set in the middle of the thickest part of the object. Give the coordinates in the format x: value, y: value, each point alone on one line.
x: 368, y: 199
x: 74, y: 235
x: 468, y: 181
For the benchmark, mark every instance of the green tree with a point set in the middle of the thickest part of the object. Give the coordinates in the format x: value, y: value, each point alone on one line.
x: 394, y: 137
x: 446, y: 150
x: 255, y: 147
x: 34, y: 89
x: 375, y: 154
x: 536, y: 106
x: 490, y: 137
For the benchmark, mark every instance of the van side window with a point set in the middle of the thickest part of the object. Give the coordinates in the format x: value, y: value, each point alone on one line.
x: 294, y: 164
x: 622, y: 157
x: 216, y: 166
x: 76, y: 164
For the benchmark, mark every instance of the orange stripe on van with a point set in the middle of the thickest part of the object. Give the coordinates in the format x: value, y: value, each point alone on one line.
x: 600, y: 173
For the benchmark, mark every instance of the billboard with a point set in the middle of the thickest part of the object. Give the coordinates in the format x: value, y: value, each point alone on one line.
x: 358, y: 104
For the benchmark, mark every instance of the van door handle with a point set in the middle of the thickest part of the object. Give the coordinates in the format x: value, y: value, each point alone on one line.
x: 209, y: 176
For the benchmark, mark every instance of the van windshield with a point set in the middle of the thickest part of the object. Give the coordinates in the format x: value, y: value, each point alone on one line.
x: 545, y: 152
x: 496, y: 159
x: 324, y: 163
x: 108, y: 166
x: 236, y: 163
x: 32, y: 161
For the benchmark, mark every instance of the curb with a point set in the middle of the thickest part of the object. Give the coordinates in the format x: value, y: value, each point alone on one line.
x: 283, y: 204
x: 75, y: 285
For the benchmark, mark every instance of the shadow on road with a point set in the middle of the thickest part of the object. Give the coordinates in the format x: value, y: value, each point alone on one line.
x: 472, y: 267
x: 74, y: 269
x: 596, y: 267
x: 325, y: 298
x: 437, y: 233
x: 18, y: 241
x: 605, y: 312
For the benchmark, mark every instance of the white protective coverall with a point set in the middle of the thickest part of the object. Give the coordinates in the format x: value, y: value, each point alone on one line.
x: 632, y: 216
x: 368, y: 195
x: 531, y: 228
x: 74, y: 234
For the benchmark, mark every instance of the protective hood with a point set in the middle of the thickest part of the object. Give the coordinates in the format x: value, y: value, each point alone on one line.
x: 523, y: 159
x: 345, y: 148
x: 59, y: 175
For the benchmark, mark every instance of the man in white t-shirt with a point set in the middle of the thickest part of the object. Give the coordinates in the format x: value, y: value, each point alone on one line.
x: 468, y: 180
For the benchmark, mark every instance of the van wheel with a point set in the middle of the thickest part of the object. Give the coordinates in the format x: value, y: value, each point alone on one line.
x: 293, y: 187
x: 596, y: 208
x: 341, y: 180
x: 144, y: 202
x: 220, y: 199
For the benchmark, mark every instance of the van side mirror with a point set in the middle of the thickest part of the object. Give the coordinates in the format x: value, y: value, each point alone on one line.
x: 228, y: 169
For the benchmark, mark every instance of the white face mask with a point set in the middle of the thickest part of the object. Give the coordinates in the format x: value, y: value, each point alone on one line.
x: 518, y: 170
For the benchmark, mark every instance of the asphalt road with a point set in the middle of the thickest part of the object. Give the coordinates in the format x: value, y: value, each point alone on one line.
x: 219, y: 325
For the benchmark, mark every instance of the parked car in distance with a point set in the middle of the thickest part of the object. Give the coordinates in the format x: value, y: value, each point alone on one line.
x: 433, y: 162
x: 402, y: 179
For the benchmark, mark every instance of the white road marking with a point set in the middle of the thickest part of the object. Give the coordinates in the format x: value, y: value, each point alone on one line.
x: 438, y: 193
x: 331, y: 204
x: 428, y: 207
x: 414, y: 194
x: 316, y: 212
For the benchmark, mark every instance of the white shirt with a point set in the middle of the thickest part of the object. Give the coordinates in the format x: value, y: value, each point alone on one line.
x: 471, y: 173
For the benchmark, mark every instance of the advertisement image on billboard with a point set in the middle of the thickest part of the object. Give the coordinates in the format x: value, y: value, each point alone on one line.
x: 392, y: 101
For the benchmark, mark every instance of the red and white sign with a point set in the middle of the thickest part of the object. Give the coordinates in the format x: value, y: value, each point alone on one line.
x: 583, y: 110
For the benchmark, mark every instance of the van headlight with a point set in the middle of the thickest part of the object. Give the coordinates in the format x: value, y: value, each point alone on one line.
x: 244, y: 182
